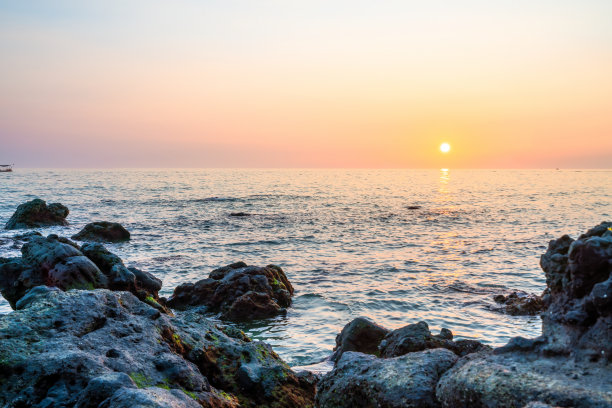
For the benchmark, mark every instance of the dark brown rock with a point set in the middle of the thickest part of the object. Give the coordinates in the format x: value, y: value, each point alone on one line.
x: 103, y: 231
x: 37, y: 214
x: 238, y: 291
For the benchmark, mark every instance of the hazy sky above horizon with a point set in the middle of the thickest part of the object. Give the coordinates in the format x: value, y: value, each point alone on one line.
x: 288, y: 83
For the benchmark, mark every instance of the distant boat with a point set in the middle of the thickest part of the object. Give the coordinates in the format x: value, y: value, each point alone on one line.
x: 4, y: 168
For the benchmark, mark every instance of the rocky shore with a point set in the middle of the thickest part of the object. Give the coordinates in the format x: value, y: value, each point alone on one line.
x: 89, y: 331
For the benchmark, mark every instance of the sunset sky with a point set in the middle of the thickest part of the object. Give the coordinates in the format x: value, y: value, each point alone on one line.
x: 291, y: 83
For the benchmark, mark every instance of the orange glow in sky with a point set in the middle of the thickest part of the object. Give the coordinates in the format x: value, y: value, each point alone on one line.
x: 306, y: 84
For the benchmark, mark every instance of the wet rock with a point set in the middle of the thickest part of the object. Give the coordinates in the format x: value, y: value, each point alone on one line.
x: 143, y: 284
x: 37, y: 214
x: 48, y: 261
x: 58, y: 262
x: 361, y: 380
x: 569, y: 365
x: 520, y: 303
x: 360, y: 335
x: 103, y: 231
x: 238, y: 291
x: 108, y: 349
x: 239, y: 214
x: 25, y: 237
x: 417, y: 337
x: 251, y: 370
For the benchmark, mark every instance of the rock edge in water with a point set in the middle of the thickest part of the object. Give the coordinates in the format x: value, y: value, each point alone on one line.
x: 238, y: 292
x: 103, y: 231
x: 58, y: 262
x: 98, y: 348
x: 570, y: 365
x: 37, y: 214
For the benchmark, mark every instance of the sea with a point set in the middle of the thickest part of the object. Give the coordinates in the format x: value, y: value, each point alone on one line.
x: 397, y: 246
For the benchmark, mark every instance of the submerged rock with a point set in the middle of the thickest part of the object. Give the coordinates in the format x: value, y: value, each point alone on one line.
x: 58, y: 262
x: 36, y: 214
x: 108, y: 349
x: 238, y: 291
x: 103, y: 231
x: 239, y: 214
x: 361, y: 380
x: 520, y: 303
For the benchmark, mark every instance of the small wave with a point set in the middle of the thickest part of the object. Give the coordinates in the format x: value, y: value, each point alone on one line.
x: 214, y: 199
x: 263, y: 242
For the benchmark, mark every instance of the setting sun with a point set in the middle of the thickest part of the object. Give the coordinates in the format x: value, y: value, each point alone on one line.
x: 445, y: 148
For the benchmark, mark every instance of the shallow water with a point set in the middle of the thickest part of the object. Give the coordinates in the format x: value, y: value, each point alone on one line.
x: 347, y: 239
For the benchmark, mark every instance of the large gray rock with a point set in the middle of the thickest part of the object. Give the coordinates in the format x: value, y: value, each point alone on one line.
x: 58, y: 262
x: 36, y: 214
x: 569, y: 365
x: 513, y: 379
x: 108, y: 349
x: 103, y: 231
x: 238, y: 291
x: 362, y: 380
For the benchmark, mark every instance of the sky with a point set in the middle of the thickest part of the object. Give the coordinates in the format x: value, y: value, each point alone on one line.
x: 316, y: 83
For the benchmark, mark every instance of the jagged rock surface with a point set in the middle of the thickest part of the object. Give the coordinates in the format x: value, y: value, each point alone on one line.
x: 108, y: 349
x: 238, y: 291
x: 569, y: 365
x: 58, y: 262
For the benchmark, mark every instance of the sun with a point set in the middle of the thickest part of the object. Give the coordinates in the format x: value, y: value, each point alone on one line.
x: 445, y: 148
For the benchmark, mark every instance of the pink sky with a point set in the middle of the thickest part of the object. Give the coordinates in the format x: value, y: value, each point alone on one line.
x: 306, y: 84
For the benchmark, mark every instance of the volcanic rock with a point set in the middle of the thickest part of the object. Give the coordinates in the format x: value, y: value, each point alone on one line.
x: 520, y: 303
x: 58, y: 262
x: 362, y: 380
x: 569, y: 365
x: 103, y: 231
x: 361, y: 335
x: 37, y: 214
x: 238, y: 292
x: 108, y: 349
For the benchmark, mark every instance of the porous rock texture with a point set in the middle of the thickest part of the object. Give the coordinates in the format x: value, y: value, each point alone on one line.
x: 99, y: 348
x: 58, y: 262
x: 411, y: 362
x: 103, y: 231
x: 37, y: 214
x: 519, y: 303
x: 362, y: 380
x: 570, y: 364
x: 238, y: 292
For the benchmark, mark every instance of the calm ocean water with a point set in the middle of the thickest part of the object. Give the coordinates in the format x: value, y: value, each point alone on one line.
x: 346, y: 238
